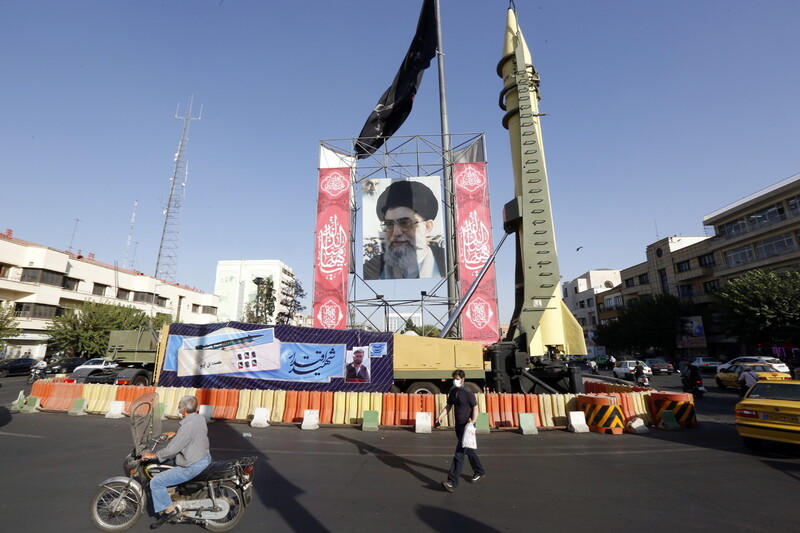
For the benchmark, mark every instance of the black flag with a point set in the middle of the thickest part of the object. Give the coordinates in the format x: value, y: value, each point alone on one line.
x: 395, y: 104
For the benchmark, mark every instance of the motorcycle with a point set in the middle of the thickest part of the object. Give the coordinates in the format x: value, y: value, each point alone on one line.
x: 693, y: 385
x: 215, y: 499
x: 36, y: 373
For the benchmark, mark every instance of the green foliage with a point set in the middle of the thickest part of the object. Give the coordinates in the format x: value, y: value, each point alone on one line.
x: 644, y: 323
x: 291, y: 302
x: 8, y: 323
x: 261, y: 309
x: 84, y: 329
x: 422, y: 331
x: 761, y: 307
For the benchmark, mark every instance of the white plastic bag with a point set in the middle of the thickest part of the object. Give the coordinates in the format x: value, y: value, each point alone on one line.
x: 469, y: 440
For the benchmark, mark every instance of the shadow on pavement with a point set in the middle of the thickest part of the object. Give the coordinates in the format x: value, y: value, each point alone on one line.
x: 5, y: 416
x: 272, y: 489
x: 445, y: 520
x: 395, y: 461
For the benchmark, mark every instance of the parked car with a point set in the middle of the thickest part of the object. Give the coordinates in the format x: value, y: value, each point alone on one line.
x: 706, y: 364
x: 774, y: 362
x: 770, y: 411
x: 96, y: 364
x: 730, y: 376
x: 660, y: 366
x: 65, y: 365
x: 17, y: 365
x: 624, y: 369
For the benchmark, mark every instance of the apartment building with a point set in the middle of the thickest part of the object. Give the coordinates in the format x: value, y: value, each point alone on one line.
x: 582, y: 296
x: 41, y: 282
x: 235, y: 284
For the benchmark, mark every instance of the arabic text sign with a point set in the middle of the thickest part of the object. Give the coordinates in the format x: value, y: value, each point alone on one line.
x: 228, y: 353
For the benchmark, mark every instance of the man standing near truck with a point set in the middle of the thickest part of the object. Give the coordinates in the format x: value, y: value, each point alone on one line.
x: 466, y: 412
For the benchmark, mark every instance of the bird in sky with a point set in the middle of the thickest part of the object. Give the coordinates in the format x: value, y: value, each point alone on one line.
x: 578, y: 249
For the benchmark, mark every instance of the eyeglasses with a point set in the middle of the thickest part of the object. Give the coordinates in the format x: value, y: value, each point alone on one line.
x: 404, y: 223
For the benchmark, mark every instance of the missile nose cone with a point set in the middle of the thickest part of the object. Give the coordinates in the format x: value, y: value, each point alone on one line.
x: 510, y: 38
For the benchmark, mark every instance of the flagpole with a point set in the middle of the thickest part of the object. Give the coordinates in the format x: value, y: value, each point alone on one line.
x: 449, y: 219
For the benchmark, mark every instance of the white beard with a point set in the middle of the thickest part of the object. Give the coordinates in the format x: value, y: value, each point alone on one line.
x: 400, y: 262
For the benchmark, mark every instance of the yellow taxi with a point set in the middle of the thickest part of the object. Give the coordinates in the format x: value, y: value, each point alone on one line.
x: 770, y: 411
x: 730, y: 376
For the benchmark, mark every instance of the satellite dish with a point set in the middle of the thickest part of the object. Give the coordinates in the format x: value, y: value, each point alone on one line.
x: 608, y: 284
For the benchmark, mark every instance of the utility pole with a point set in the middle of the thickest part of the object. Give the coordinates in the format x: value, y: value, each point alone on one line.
x: 168, y: 249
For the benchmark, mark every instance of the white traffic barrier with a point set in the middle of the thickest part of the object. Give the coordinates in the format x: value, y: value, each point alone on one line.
x: 423, y: 424
x: 260, y: 418
x: 310, y: 419
x: 577, y: 422
x: 206, y: 411
x: 637, y: 426
x: 527, y: 424
x: 115, y: 409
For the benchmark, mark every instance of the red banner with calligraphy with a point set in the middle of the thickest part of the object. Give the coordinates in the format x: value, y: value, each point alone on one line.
x: 331, y: 254
x: 479, y: 321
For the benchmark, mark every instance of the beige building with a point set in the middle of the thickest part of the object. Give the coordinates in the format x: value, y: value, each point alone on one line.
x: 582, y: 296
x: 40, y: 282
x: 234, y: 283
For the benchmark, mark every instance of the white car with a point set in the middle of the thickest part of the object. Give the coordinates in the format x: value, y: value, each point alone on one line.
x: 624, y: 369
x: 97, y: 364
x: 774, y: 362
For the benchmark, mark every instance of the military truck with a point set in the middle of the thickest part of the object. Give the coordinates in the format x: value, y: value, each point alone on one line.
x: 134, y: 351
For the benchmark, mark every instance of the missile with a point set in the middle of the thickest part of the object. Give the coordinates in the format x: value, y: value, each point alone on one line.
x: 226, y: 344
x: 545, y: 324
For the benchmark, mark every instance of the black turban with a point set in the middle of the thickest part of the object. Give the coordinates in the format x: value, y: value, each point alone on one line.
x: 411, y: 194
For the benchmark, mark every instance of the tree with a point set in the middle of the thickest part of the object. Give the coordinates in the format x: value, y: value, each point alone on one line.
x: 261, y: 309
x: 291, y: 302
x: 422, y: 331
x: 85, y: 329
x: 646, y: 322
x: 761, y: 307
x: 8, y: 323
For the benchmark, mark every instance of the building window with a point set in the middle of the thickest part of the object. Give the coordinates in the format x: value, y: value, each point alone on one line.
x: 794, y: 205
x: 45, y: 277
x: 594, y: 320
x: 123, y: 294
x: 706, y: 260
x: 590, y: 302
x: 29, y: 310
x: 70, y: 284
x: 629, y: 282
x: 767, y: 216
x: 739, y: 256
x: 582, y: 304
x: 5, y: 270
x: 209, y: 310
x: 566, y: 293
x: 644, y: 279
x: 99, y: 289
x: 776, y: 245
x: 582, y: 321
x: 732, y: 229
x: 195, y: 308
x: 711, y: 286
x: 662, y: 275
x: 684, y: 266
x: 685, y: 291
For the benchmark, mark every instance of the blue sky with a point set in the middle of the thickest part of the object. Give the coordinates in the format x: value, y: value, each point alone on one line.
x: 657, y: 114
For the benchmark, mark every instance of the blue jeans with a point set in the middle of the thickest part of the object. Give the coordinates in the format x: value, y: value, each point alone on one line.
x: 172, y: 477
x: 458, y: 458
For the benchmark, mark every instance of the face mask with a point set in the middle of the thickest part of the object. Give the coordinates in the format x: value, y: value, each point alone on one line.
x: 458, y: 383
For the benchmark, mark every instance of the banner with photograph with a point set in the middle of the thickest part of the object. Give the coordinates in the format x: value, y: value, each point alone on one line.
x: 691, y: 333
x: 252, y: 356
x: 403, y: 228
x: 332, y: 244
x: 474, y: 241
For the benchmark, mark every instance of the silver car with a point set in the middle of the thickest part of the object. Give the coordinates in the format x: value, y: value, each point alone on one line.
x: 774, y: 362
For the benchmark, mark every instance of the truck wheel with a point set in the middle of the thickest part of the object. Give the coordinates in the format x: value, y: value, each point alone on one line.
x: 473, y: 387
x: 394, y: 389
x: 423, y: 387
x: 140, y: 381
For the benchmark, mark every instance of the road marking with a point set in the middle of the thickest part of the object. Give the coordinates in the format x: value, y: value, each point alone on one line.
x: 4, y: 434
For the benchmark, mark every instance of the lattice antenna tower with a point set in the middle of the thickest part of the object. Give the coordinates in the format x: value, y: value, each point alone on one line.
x: 168, y: 249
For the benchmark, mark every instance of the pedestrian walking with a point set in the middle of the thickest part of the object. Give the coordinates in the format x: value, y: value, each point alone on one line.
x: 466, y: 414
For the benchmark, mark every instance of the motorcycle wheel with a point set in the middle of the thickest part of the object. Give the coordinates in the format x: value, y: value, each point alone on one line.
x: 105, y: 517
x: 31, y: 379
x: 229, y: 492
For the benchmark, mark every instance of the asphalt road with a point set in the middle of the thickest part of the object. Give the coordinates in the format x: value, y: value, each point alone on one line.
x: 342, y: 479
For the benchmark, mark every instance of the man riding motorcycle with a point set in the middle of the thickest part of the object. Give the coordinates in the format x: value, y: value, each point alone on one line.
x: 190, y: 448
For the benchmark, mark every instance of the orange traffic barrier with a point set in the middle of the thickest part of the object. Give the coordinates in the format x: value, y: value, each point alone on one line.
x: 315, y: 400
x: 290, y: 411
x: 506, y: 411
x: 326, y: 408
x: 229, y: 404
x: 387, y: 414
x: 203, y: 397
x: 302, y: 405
x: 682, y: 404
x: 532, y: 406
x: 603, y: 415
x: 493, y: 408
x: 519, y: 407
x: 401, y: 410
x: 428, y: 405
